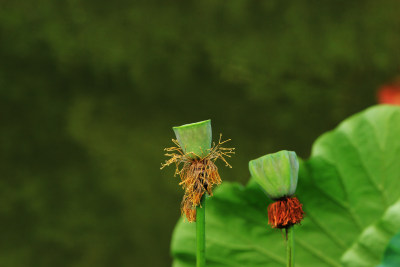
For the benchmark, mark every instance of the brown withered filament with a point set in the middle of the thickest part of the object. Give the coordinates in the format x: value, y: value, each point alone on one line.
x: 198, y: 174
x: 285, y: 212
x: 188, y: 210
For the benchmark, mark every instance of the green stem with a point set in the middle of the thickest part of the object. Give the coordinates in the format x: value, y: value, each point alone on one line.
x: 290, y: 246
x: 201, y: 233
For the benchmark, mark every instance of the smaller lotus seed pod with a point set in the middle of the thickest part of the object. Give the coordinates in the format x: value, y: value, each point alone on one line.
x: 194, y: 159
x: 276, y: 173
x: 195, y: 138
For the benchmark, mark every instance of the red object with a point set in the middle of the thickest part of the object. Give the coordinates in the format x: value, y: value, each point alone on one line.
x: 389, y: 94
x: 284, y: 213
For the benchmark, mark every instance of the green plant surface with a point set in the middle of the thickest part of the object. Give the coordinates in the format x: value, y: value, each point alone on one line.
x: 201, y: 234
x: 349, y: 188
x: 195, y: 137
x: 371, y: 244
x: 276, y: 173
x: 392, y: 253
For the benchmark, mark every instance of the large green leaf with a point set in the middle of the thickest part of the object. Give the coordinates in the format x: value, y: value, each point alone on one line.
x: 392, y: 253
x: 349, y: 188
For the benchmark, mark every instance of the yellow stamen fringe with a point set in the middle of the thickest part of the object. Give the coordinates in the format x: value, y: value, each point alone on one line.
x: 198, y: 174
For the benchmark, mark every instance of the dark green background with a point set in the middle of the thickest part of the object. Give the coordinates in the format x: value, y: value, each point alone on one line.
x: 89, y: 91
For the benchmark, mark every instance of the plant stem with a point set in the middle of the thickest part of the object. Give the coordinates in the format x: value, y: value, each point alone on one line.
x: 201, y: 233
x: 290, y: 246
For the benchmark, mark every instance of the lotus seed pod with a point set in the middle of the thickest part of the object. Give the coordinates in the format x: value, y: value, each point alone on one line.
x: 195, y: 138
x: 276, y: 173
x: 194, y: 159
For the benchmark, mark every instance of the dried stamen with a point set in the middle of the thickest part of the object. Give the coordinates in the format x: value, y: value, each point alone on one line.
x: 188, y: 210
x: 198, y: 175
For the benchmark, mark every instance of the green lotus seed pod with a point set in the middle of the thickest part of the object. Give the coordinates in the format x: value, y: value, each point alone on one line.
x: 276, y: 173
x: 195, y: 137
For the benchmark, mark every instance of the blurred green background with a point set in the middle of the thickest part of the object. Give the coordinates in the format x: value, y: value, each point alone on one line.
x: 89, y: 91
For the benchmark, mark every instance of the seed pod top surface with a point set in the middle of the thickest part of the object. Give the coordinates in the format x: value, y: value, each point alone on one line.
x: 195, y: 138
x: 276, y: 173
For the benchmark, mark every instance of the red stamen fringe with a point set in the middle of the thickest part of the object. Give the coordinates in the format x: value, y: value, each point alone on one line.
x: 285, y: 212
